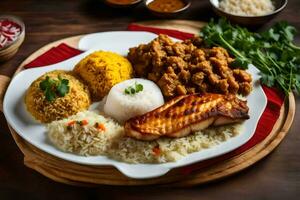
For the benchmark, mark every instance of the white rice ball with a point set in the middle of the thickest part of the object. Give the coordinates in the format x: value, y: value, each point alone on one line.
x: 122, y: 107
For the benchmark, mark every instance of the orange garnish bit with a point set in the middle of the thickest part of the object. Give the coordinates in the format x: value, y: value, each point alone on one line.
x: 71, y: 123
x: 101, y: 127
x: 156, y: 151
x: 84, y: 122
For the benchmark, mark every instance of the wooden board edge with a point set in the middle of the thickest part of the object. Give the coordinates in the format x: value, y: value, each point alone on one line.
x: 4, y: 82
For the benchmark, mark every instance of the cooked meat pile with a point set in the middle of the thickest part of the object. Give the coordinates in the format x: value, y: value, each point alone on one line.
x: 186, y: 114
x: 186, y: 67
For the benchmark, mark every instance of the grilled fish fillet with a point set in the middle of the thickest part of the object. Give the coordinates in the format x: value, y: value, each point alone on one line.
x: 186, y: 114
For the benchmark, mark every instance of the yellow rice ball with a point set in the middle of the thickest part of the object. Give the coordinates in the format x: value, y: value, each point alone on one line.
x: 101, y: 70
x: 76, y: 100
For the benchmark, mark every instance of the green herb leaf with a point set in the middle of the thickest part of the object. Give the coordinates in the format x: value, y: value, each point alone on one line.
x: 63, y: 87
x: 240, y: 63
x: 136, y: 88
x: 132, y: 90
x: 127, y: 91
x: 139, y: 88
x: 267, y: 80
x: 50, y: 95
x: 44, y: 84
x: 53, y: 88
x: 272, y: 51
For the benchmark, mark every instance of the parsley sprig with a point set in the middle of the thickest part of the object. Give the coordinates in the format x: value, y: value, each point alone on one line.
x: 54, y: 88
x: 272, y: 51
x: 136, y: 88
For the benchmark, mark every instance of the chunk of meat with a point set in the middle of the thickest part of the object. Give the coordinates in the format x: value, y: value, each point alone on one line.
x: 168, y: 83
x: 242, y: 75
x: 181, y: 90
x: 184, y: 76
x: 195, y: 68
x: 198, y: 78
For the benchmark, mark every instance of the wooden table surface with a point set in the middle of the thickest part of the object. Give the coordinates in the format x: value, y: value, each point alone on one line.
x: 275, y: 177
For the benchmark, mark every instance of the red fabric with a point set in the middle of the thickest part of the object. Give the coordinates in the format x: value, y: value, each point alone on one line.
x: 265, y: 124
x: 54, y: 55
x: 173, y: 33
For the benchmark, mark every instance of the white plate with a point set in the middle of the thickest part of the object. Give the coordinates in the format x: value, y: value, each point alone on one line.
x: 35, y: 133
x: 116, y: 41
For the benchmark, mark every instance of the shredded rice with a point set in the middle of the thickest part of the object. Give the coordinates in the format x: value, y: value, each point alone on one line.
x: 247, y: 7
x: 88, y: 141
x: 84, y: 140
x: 78, y: 99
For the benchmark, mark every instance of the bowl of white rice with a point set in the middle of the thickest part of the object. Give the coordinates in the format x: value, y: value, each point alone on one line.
x: 248, y: 12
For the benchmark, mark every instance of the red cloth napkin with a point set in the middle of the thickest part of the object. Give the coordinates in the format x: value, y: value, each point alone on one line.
x: 173, y: 33
x: 54, y: 55
x: 265, y: 124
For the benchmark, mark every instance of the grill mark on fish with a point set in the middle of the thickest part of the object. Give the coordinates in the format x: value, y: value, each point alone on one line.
x: 186, y: 114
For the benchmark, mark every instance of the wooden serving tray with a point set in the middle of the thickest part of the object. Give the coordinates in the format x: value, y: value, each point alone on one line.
x: 76, y: 174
